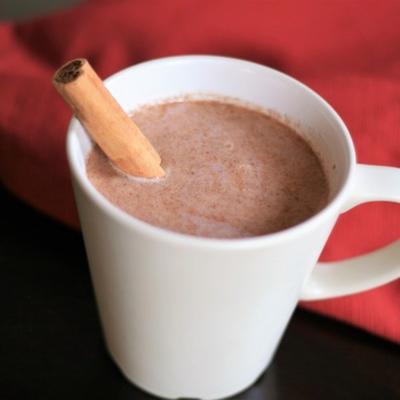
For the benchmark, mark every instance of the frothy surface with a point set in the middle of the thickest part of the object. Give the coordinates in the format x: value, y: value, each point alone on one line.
x: 232, y: 172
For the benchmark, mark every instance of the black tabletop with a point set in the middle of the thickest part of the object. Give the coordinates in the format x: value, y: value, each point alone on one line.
x: 51, y: 346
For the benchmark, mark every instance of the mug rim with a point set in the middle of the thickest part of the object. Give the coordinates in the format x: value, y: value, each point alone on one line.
x: 220, y: 243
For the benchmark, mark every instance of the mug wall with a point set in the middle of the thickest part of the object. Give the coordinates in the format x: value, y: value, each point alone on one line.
x: 191, y: 321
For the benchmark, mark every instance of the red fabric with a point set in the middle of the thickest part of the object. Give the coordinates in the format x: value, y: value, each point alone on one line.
x: 349, y: 52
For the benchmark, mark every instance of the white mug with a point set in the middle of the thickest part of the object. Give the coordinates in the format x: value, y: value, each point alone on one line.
x: 190, y: 317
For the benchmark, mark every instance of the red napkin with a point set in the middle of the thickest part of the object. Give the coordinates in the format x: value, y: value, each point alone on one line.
x: 349, y: 52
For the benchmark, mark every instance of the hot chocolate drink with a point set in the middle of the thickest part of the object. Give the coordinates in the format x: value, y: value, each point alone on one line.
x: 232, y: 172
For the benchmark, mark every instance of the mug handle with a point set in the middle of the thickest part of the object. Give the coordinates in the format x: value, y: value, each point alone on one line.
x: 333, y: 279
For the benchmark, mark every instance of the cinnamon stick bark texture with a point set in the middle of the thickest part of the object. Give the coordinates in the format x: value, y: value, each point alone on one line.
x: 105, y: 121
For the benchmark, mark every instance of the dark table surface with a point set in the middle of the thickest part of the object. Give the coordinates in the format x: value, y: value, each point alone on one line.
x: 51, y: 345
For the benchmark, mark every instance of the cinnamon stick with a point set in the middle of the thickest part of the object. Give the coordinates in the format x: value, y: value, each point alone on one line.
x: 105, y: 121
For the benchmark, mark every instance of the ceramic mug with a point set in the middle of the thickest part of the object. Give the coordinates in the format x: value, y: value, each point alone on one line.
x: 190, y: 317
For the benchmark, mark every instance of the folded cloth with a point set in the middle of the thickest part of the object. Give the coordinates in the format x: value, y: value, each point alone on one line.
x: 349, y: 52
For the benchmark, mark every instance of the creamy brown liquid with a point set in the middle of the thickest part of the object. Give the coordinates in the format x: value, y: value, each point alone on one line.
x: 232, y: 172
